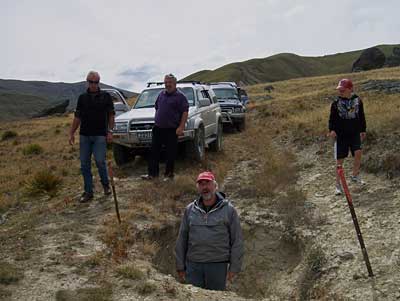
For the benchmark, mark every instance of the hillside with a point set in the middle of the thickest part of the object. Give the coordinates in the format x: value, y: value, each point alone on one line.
x: 19, y: 99
x: 300, y: 242
x: 283, y: 66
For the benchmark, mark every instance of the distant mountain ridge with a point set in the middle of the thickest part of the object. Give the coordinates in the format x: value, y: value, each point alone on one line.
x: 284, y: 66
x: 21, y: 99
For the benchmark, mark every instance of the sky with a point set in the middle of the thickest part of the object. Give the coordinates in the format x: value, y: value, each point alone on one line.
x: 130, y: 42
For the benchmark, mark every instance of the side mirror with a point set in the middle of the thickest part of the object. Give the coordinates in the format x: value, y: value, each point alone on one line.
x: 204, y: 102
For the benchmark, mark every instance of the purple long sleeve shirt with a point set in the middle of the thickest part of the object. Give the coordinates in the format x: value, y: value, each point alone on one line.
x: 169, y: 109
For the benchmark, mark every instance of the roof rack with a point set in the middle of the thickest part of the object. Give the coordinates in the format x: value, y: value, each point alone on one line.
x: 232, y: 84
x: 149, y: 84
x: 193, y: 82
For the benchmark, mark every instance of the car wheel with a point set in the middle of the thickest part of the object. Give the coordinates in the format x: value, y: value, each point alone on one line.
x: 196, y: 149
x: 216, y: 145
x: 122, y: 154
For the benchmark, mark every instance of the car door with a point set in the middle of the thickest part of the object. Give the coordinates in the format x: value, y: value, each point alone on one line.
x: 205, y: 111
x: 212, y: 112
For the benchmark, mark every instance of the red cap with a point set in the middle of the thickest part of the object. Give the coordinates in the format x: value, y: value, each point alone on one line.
x: 207, y: 175
x: 345, y: 84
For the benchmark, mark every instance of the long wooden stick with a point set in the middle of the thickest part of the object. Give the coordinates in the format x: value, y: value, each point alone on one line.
x: 340, y: 172
x: 111, y: 176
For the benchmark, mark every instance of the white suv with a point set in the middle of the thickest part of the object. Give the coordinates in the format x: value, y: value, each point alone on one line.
x: 133, y: 130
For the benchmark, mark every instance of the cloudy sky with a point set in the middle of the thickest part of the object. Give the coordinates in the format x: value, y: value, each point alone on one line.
x: 133, y: 41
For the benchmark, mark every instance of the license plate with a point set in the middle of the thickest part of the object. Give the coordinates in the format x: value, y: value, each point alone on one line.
x: 144, y: 135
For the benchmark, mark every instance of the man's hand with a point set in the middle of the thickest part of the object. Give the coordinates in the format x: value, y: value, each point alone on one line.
x: 363, y: 135
x: 109, y: 137
x: 230, y: 276
x: 179, y: 131
x: 71, y: 139
x: 181, y: 275
x: 332, y: 134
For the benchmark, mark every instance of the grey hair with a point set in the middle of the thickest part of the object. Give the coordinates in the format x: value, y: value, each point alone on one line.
x: 171, y: 76
x: 93, y: 73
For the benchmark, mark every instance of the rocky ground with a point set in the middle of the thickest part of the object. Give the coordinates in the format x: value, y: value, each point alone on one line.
x: 274, y: 268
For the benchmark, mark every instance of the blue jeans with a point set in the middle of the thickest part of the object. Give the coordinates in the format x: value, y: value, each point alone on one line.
x: 97, y: 146
x: 210, y: 275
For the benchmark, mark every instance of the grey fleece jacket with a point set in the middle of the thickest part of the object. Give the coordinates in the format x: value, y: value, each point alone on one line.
x: 214, y: 236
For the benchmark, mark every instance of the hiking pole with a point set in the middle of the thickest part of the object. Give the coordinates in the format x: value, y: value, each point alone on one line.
x: 111, y: 175
x: 340, y: 172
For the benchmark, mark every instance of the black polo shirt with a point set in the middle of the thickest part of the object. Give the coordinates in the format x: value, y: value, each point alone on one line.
x: 93, y: 109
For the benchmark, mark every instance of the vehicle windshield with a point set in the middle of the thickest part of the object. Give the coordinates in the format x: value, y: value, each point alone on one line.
x: 114, y: 96
x: 226, y: 93
x: 147, y: 98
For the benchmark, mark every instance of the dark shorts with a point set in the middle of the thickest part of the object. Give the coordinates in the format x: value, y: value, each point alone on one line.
x: 345, y: 143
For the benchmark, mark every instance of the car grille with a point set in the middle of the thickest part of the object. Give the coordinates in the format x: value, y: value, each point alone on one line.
x: 141, y: 126
x: 227, y: 109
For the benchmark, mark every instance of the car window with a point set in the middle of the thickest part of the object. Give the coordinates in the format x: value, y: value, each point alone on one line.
x: 147, y: 98
x: 226, y: 93
x: 115, y: 96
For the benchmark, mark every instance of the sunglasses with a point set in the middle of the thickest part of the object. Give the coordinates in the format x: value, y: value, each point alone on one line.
x: 92, y: 82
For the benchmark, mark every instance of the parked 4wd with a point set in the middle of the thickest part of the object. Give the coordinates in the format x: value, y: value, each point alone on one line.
x: 133, y: 130
x: 233, y: 110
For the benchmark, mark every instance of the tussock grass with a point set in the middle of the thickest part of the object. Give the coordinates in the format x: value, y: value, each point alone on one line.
x: 44, y: 181
x: 130, y: 271
x: 146, y: 287
x: 85, y: 294
x: 9, y: 273
x: 32, y: 149
x: 314, y: 261
x: 8, y: 135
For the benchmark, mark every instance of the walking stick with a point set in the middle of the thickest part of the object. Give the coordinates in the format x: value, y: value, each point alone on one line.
x: 111, y: 175
x: 340, y: 172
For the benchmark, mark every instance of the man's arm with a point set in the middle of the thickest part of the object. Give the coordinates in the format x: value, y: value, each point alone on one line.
x: 332, y: 121
x: 185, y: 112
x: 181, y: 128
x: 75, y: 125
x: 111, y: 117
x: 237, y: 248
x: 76, y: 122
x: 182, y: 241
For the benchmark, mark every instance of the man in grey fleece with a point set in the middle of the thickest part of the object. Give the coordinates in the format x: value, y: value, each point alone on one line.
x: 209, y: 248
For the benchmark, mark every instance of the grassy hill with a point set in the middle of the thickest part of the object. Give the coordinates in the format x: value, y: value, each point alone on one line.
x: 20, y: 99
x: 283, y: 66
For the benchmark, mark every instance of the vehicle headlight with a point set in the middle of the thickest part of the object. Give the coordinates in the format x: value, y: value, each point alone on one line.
x: 121, y: 127
x: 238, y: 110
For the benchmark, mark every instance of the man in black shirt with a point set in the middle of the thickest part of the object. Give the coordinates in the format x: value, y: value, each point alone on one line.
x: 348, y: 126
x: 94, y: 115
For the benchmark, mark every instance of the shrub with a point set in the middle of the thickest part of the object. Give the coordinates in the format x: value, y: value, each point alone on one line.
x: 44, y: 182
x: 8, y: 135
x: 32, y: 149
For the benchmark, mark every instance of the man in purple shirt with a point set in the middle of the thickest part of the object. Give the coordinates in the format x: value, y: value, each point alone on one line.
x: 171, y: 114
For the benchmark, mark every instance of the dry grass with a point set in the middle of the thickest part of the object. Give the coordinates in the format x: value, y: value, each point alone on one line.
x: 9, y: 273
x: 131, y: 271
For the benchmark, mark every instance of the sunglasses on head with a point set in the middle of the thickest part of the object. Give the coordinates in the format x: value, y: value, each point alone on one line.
x: 92, y: 81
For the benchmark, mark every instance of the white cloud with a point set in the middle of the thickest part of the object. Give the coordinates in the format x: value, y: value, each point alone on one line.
x: 130, y: 42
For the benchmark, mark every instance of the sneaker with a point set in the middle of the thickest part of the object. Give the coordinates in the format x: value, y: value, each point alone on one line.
x: 357, y: 180
x: 107, y: 190
x: 147, y: 177
x: 338, y: 189
x: 168, y: 177
x: 86, y: 197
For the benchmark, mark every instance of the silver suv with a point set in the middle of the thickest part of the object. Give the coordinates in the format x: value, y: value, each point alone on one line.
x: 232, y: 107
x: 133, y: 130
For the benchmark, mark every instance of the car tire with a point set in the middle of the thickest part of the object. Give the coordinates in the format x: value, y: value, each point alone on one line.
x: 216, y: 145
x: 122, y: 154
x: 196, y: 147
x: 241, y: 126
